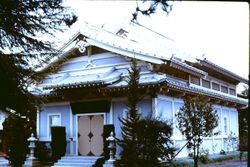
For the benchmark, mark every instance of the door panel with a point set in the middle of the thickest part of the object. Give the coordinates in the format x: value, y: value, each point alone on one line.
x: 83, y: 140
x: 90, y: 130
x: 97, y: 139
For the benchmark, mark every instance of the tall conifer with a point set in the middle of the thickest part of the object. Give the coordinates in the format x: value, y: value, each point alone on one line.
x: 130, y: 142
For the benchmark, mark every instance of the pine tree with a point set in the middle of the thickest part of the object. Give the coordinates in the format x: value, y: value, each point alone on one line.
x: 153, y: 5
x: 129, y: 141
x: 25, y: 30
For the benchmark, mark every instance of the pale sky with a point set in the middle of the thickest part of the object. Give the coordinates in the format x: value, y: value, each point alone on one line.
x: 220, y: 30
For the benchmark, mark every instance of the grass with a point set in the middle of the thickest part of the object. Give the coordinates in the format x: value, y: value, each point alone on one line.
x: 188, y: 162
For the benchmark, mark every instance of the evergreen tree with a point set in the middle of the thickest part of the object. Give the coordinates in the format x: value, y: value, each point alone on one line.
x: 15, y: 136
x: 25, y: 27
x: 129, y: 141
x: 153, y: 5
x: 144, y: 140
x: 196, y: 119
x: 243, y: 122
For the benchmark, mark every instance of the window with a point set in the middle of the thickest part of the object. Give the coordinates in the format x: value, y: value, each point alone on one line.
x: 225, y: 125
x: 125, y: 112
x: 205, y: 83
x: 215, y: 86
x: 195, y: 80
x: 53, y: 120
x: 224, y: 89
x: 232, y: 91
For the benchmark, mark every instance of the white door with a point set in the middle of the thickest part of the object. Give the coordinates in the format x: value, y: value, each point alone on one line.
x: 90, y: 135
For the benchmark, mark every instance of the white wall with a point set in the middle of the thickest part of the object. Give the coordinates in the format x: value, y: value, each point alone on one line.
x: 228, y: 119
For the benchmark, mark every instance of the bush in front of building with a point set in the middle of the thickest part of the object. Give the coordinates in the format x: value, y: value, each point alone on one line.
x: 43, y: 152
x: 155, y: 144
x: 145, y: 141
x: 204, y: 156
x: 15, y: 135
x: 58, y: 142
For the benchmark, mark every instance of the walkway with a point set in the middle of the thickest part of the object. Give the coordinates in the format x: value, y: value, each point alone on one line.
x: 230, y: 163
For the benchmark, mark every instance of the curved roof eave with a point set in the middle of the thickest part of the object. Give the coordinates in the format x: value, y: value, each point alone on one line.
x: 226, y: 72
x: 122, y: 51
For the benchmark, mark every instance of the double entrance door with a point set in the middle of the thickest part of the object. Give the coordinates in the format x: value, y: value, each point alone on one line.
x: 90, y: 135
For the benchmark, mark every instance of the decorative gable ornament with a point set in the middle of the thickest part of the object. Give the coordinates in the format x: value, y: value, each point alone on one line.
x: 81, y: 45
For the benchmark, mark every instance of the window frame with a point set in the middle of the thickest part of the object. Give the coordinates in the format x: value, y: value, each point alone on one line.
x: 224, y: 87
x: 215, y: 83
x: 203, y: 83
x: 49, y: 115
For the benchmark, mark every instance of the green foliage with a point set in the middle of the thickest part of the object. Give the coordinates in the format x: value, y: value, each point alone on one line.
x: 196, y: 119
x: 222, y: 152
x: 99, y: 162
x: 231, y: 142
x: 243, y: 128
x: 24, y: 26
x: 204, y: 156
x: 144, y: 140
x: 153, y: 5
x: 129, y: 142
x: 42, y: 152
x: 155, y: 143
x: 15, y: 135
x: 22, y: 23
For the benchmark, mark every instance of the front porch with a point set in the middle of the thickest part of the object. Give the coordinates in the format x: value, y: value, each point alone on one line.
x: 74, y: 161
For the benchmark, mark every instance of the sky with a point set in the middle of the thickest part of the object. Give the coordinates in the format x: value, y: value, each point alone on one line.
x: 217, y: 31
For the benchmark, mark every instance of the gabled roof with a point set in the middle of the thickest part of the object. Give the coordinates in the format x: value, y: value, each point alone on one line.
x: 95, y: 36
x: 113, y: 77
x: 218, y: 71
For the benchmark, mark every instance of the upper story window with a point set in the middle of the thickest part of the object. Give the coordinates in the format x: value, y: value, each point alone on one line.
x: 205, y: 83
x: 215, y: 86
x: 224, y: 89
x: 195, y: 80
x: 232, y: 91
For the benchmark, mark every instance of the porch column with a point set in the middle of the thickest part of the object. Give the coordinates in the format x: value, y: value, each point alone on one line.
x: 111, y: 114
x: 37, y: 122
x: 71, y: 134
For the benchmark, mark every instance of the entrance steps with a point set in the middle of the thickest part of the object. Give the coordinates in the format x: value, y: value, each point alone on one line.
x: 3, y: 162
x: 75, y: 161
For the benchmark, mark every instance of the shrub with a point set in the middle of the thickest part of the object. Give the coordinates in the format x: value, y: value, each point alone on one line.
x: 190, y: 155
x: 154, y: 139
x: 232, y: 142
x: 204, y: 156
x: 58, y: 143
x: 222, y: 152
x: 99, y: 162
x: 42, y: 152
x: 15, y: 135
